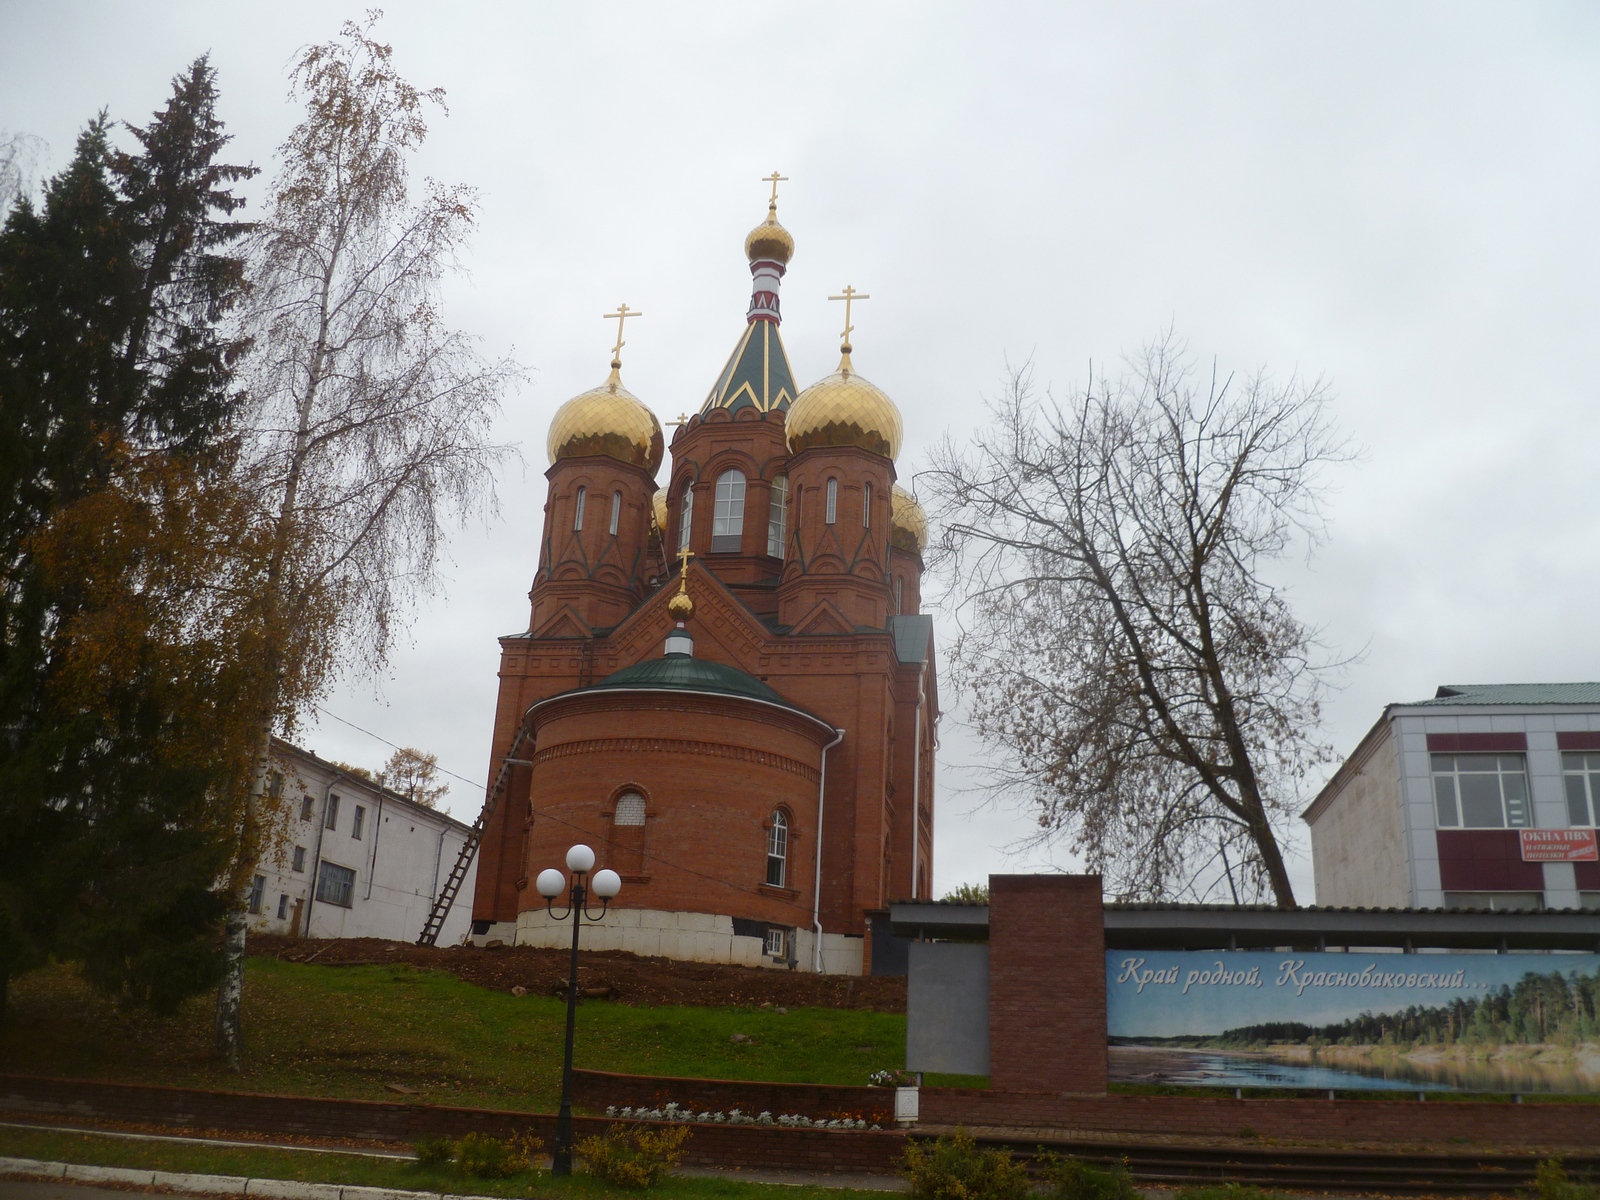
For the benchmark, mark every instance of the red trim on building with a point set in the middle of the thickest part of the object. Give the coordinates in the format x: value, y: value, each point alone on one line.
x: 1578, y: 740
x: 1486, y: 860
x: 1588, y: 874
x: 1477, y: 743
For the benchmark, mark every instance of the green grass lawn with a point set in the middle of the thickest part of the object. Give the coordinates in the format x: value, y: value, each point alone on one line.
x: 91, y: 1150
x: 349, y: 1031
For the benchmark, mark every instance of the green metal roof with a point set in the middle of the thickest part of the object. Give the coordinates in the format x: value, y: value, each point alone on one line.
x: 685, y: 673
x: 1457, y: 694
x: 758, y: 374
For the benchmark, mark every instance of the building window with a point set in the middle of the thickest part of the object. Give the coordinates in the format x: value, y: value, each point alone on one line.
x: 1581, y: 774
x: 299, y: 858
x: 833, y: 502
x: 275, y: 784
x: 686, y: 516
x: 629, y: 810
x: 616, y: 512
x: 899, y: 593
x: 1496, y: 901
x: 776, y: 516
x: 333, y: 813
x: 355, y: 826
x: 257, y: 886
x: 283, y: 906
x: 1481, y: 791
x: 777, y: 848
x: 335, y: 884
x: 777, y: 942
x: 866, y: 507
x: 727, y: 520
x: 305, y: 808
x: 577, y: 512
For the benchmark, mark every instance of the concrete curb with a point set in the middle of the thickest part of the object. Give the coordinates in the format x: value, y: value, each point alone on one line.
x: 211, y: 1185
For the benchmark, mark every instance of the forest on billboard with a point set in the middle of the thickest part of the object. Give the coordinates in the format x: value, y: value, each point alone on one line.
x: 1417, y: 1022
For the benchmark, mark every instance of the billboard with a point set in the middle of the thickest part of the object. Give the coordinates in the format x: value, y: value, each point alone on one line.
x: 1416, y: 1022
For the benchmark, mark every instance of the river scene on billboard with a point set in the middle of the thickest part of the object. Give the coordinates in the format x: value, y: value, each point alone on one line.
x: 1414, y: 1022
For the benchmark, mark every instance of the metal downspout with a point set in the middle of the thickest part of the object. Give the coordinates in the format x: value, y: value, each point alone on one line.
x: 377, y: 829
x: 916, y: 780
x: 816, y: 899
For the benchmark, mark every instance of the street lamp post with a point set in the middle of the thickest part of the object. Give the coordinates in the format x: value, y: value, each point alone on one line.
x: 605, y: 885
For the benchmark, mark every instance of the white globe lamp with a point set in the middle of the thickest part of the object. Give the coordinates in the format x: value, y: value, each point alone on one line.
x: 607, y: 884
x: 550, y: 883
x: 580, y: 859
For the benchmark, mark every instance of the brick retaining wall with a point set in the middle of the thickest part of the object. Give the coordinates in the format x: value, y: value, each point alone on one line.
x: 1482, y: 1123
x: 378, y: 1120
x: 599, y: 1089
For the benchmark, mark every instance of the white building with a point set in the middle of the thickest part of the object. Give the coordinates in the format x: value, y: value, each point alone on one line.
x: 359, y: 860
x: 1467, y: 800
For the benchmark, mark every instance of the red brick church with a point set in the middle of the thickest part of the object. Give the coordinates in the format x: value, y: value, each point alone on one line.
x: 727, y: 686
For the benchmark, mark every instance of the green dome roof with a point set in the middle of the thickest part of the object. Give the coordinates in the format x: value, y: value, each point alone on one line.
x: 684, y: 673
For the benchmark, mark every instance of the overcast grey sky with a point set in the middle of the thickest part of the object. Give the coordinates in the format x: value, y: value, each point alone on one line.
x: 1401, y: 197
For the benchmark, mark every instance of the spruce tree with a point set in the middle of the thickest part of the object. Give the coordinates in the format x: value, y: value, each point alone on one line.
x: 116, y: 400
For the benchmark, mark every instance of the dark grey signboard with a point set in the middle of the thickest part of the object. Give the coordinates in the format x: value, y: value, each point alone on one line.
x: 1434, y: 1022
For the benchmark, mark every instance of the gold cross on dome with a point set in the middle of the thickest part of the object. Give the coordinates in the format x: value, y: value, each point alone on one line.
x: 850, y: 295
x: 684, y: 555
x: 620, y: 317
x: 774, y: 179
x: 683, y: 419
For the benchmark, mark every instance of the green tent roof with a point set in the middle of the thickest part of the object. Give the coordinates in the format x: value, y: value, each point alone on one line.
x: 1456, y: 694
x: 757, y: 375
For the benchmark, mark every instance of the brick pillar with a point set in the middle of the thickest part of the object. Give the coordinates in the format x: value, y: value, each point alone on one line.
x: 1047, y: 984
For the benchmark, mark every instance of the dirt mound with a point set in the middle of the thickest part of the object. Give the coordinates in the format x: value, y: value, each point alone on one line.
x: 630, y: 978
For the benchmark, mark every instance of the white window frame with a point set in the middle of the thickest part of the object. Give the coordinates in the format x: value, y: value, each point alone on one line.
x: 727, y: 514
x: 778, y: 848
x: 1450, y: 810
x: 777, y: 516
x: 866, y: 506
x: 832, y: 512
x: 686, y: 515
x: 1580, y: 779
x: 336, y: 885
x: 577, y: 510
x: 616, y: 512
x: 777, y: 942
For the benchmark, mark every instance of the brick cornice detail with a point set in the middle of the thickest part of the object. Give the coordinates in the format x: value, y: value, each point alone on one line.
x: 677, y: 746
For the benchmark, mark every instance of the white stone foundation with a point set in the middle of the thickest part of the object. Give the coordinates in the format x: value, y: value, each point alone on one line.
x: 688, y: 936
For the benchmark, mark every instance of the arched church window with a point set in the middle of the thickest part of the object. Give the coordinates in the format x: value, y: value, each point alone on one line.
x: 577, y: 513
x: 899, y: 594
x: 686, y: 516
x: 616, y: 512
x: 866, y: 507
x: 833, y: 502
x: 727, y: 519
x: 777, y: 848
x: 629, y: 810
x: 777, y: 516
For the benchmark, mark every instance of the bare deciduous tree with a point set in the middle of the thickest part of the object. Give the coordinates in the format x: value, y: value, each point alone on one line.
x: 1147, y: 685
x: 372, y: 419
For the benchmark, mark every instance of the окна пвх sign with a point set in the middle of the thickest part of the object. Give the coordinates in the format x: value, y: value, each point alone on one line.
x: 1558, y: 845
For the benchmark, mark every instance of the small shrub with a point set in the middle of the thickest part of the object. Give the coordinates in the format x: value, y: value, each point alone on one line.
x: 485, y: 1157
x: 633, y: 1157
x: 435, y: 1152
x: 954, y: 1168
x: 1073, y: 1179
x: 1551, y: 1183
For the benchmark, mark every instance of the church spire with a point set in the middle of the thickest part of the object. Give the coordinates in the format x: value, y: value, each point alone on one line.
x: 758, y: 373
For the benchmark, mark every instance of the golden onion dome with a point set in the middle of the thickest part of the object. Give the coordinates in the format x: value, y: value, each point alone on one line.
x: 908, y: 523
x: 843, y: 409
x: 607, y: 420
x: 769, y: 240
x: 658, y: 507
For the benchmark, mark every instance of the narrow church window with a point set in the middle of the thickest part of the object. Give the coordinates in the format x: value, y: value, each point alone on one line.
x: 833, y: 501
x: 616, y: 511
x: 776, y: 516
x: 728, y: 518
x: 899, y: 594
x: 686, y: 517
x: 577, y: 513
x: 866, y: 507
x: 630, y: 809
x: 777, y: 848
